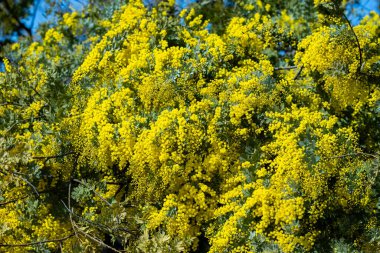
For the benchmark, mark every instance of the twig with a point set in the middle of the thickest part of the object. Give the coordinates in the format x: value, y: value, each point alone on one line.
x: 36, y: 243
x: 30, y: 184
x: 12, y: 201
x: 20, y: 175
x: 114, y: 183
x: 298, y: 73
x: 53, y: 156
x: 290, y: 68
x: 96, y: 193
x: 10, y: 128
x: 70, y: 211
x: 9, y: 103
x: 95, y: 239
x: 353, y: 154
x: 21, y: 198
x: 285, y: 68
x: 96, y: 224
x: 357, y: 42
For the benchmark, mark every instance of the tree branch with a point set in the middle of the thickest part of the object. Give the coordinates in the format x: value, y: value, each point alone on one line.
x: 53, y: 156
x: 36, y: 243
x: 12, y: 201
x: 298, y: 73
x: 30, y: 184
x: 95, y: 239
x: 101, y: 227
x: 21, y: 176
x: 357, y: 42
x: 96, y: 193
x: 10, y: 103
x: 290, y: 68
x: 353, y: 154
x: 285, y: 68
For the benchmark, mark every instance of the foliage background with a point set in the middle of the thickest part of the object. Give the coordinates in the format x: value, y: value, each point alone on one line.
x: 226, y: 127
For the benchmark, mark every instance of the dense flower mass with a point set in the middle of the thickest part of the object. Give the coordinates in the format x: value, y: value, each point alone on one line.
x: 154, y: 130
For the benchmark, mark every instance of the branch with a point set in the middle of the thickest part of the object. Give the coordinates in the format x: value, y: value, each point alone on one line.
x: 290, y: 68
x: 101, y: 227
x: 298, y: 73
x: 95, y: 239
x: 36, y: 243
x: 285, y: 68
x: 9, y: 103
x: 21, y: 198
x: 115, y: 183
x: 12, y: 201
x: 69, y: 208
x: 357, y: 42
x: 53, y: 156
x: 353, y: 154
x: 96, y: 193
x: 21, y: 175
x: 30, y: 184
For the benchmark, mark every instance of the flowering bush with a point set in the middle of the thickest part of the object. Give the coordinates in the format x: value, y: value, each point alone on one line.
x: 148, y: 131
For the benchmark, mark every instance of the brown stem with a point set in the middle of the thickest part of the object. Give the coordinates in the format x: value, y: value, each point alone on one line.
x: 285, y: 68
x: 53, y: 156
x: 352, y: 154
x: 92, y: 189
x: 12, y: 201
x: 357, y: 42
x: 298, y: 73
x: 93, y: 238
x: 36, y: 243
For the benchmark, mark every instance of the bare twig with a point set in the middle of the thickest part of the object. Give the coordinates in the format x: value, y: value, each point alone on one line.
x: 21, y: 176
x: 114, y: 183
x: 95, y: 239
x: 12, y: 201
x: 36, y: 243
x: 10, y: 128
x: 92, y: 189
x: 70, y: 210
x: 298, y: 73
x: 10, y: 103
x: 20, y: 198
x: 290, y: 68
x: 103, y: 227
x: 353, y: 154
x: 285, y: 68
x: 357, y: 41
x: 30, y: 184
x: 53, y: 156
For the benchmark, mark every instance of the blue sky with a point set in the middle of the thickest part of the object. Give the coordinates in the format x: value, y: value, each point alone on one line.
x: 367, y: 5
x: 42, y: 6
x: 371, y: 4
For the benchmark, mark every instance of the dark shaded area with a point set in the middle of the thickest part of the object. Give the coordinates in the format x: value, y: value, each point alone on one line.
x: 203, y: 244
x: 108, y: 240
